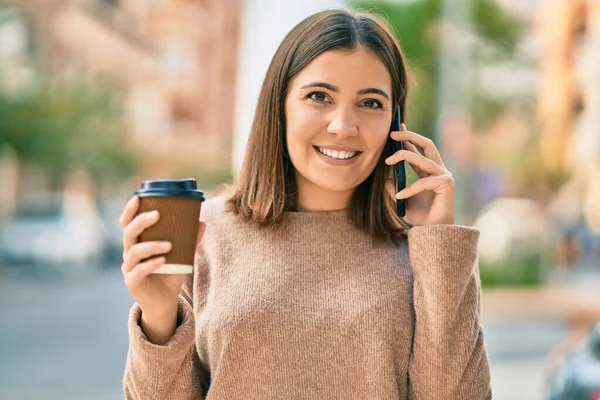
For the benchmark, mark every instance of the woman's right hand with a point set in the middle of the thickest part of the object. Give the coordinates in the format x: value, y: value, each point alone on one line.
x: 156, y: 294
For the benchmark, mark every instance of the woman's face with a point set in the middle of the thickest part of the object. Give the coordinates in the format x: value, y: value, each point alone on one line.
x: 338, y: 115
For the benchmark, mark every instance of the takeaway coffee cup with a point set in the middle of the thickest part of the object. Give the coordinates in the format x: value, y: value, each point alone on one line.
x: 178, y: 203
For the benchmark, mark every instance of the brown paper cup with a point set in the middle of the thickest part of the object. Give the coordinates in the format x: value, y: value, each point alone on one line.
x: 178, y: 224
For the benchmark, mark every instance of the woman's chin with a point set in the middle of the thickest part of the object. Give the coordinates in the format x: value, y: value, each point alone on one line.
x: 333, y: 186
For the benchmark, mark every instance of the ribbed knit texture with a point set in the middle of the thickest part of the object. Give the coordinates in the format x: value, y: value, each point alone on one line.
x: 313, y: 309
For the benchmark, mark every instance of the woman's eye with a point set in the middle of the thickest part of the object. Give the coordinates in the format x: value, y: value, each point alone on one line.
x: 371, y: 103
x: 319, y: 97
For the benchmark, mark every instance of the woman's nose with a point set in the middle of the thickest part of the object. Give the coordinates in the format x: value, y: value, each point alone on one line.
x: 344, y: 124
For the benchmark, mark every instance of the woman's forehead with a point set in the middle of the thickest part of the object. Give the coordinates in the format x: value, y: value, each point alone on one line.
x: 345, y: 68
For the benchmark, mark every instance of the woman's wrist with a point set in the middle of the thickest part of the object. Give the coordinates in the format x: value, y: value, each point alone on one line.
x: 159, y: 330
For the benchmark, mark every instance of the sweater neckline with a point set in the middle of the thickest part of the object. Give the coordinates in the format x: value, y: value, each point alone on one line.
x: 334, y: 215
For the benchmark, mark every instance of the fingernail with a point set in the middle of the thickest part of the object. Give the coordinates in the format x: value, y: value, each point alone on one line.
x: 387, y: 160
x: 152, y: 214
x: 400, y: 195
x: 159, y: 260
x: 165, y: 245
x: 403, y: 127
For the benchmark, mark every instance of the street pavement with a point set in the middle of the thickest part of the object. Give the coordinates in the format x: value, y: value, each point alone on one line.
x: 67, y: 339
x: 63, y: 339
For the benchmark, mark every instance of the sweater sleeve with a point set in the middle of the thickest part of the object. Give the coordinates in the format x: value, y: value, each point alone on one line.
x: 449, y: 360
x: 170, y: 371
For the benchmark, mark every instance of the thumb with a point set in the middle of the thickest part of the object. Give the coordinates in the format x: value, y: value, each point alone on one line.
x: 390, y: 187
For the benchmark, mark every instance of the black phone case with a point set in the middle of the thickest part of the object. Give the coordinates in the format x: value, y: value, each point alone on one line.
x: 399, y: 171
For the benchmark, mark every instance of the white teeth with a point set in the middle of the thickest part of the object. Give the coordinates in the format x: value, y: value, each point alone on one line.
x: 340, y: 155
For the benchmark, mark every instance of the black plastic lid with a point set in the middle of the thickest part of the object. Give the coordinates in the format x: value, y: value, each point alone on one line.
x: 171, y: 188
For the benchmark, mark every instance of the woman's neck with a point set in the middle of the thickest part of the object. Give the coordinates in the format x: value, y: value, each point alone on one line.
x: 314, y: 198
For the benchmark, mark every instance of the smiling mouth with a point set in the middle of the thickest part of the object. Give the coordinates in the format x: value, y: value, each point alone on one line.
x: 338, y: 155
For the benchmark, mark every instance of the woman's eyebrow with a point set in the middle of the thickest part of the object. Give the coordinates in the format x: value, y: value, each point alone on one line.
x: 375, y: 91
x: 336, y: 90
x: 321, y: 84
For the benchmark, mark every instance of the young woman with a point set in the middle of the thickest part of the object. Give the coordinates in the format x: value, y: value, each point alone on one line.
x: 306, y: 283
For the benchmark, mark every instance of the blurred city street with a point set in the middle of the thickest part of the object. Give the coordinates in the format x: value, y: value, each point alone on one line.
x: 67, y: 339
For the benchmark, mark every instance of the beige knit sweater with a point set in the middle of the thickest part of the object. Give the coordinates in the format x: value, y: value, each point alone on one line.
x: 312, y: 309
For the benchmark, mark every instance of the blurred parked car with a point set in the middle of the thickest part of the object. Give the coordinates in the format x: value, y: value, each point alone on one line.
x: 52, y: 232
x: 578, y: 376
x: 110, y: 211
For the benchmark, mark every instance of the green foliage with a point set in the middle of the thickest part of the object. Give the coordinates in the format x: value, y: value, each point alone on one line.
x: 517, y: 270
x: 492, y: 23
x: 63, y: 127
x: 416, y: 24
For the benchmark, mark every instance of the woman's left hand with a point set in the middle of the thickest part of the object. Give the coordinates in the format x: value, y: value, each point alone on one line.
x: 430, y: 200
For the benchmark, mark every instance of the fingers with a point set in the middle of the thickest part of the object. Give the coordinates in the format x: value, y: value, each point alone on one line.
x: 129, y: 211
x: 143, y: 251
x: 135, y: 228
x: 411, y: 147
x: 429, y: 149
x: 416, y: 160
x: 439, y: 184
x: 134, y: 276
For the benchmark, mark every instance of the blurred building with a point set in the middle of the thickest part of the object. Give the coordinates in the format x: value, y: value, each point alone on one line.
x: 569, y: 117
x: 569, y: 83
x: 175, y: 62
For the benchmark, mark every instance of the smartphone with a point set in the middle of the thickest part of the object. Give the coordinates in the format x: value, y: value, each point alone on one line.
x: 399, y: 171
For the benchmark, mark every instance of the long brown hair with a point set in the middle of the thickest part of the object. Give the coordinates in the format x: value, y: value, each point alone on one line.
x: 267, y: 182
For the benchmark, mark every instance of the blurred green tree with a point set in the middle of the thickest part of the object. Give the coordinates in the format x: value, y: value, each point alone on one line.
x: 61, y: 127
x: 416, y: 24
